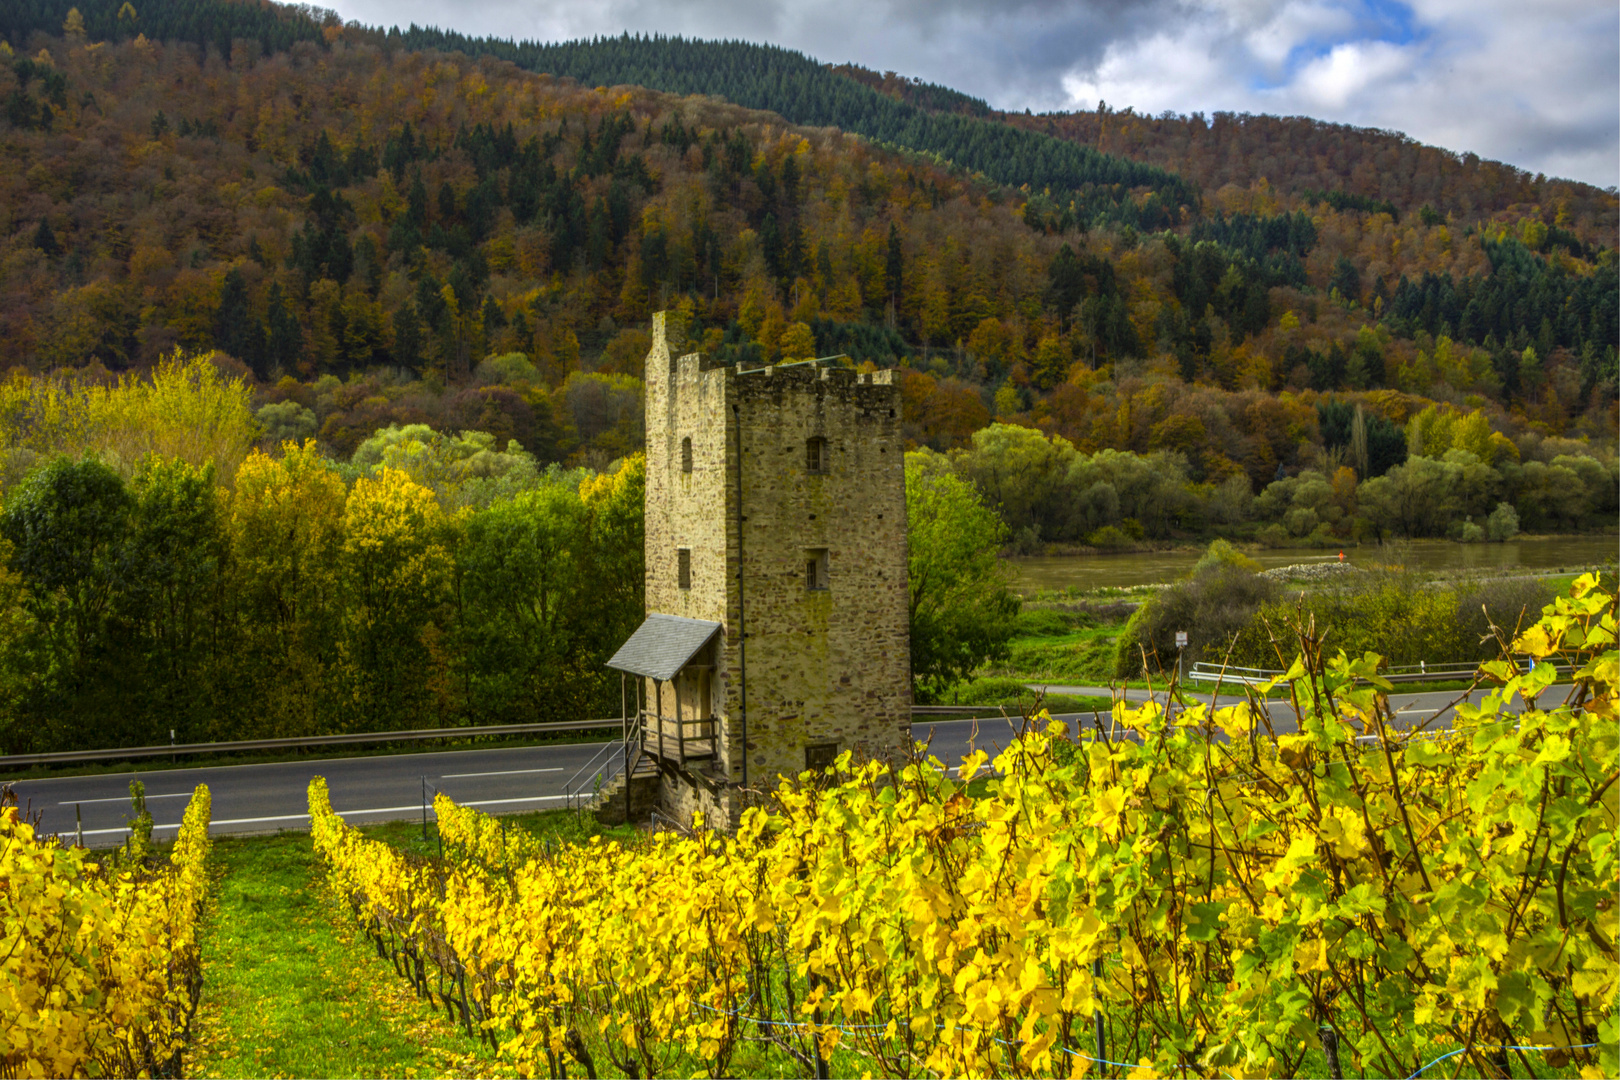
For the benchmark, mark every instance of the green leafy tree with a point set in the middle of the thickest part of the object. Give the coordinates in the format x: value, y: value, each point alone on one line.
x: 1503, y: 524
x: 524, y: 571
x: 169, y: 589
x: 962, y: 611
x: 67, y: 525
x: 1023, y: 474
x: 462, y: 470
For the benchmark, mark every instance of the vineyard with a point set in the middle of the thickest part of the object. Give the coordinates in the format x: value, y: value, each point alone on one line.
x: 1188, y: 893
x: 1191, y: 894
x: 100, y: 970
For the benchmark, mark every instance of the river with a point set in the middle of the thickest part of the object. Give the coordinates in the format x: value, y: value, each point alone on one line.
x: 1039, y: 572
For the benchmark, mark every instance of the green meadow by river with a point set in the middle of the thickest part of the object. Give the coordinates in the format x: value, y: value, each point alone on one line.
x: 1043, y: 572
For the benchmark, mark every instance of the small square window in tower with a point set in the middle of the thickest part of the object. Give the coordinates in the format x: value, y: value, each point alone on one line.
x: 820, y: 758
x: 816, y: 459
x: 815, y: 569
x: 686, y: 454
x: 683, y: 567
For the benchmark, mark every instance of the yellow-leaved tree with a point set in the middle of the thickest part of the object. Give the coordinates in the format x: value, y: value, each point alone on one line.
x: 396, y: 567
x: 187, y: 409
x: 286, y: 530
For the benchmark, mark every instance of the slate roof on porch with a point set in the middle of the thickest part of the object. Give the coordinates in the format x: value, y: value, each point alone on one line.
x: 663, y: 645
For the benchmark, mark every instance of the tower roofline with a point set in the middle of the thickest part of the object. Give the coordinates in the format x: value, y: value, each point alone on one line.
x: 662, y: 362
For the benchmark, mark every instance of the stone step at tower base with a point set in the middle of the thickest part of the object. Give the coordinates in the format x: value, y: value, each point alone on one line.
x: 628, y: 797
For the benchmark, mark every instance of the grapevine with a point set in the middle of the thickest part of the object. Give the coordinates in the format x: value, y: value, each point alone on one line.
x: 100, y: 969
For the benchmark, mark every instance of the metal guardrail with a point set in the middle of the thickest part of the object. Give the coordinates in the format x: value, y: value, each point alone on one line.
x: 1419, y: 672
x: 299, y: 742
x: 359, y: 738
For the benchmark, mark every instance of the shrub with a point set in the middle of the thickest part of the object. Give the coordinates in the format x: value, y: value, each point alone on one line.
x: 1413, y: 897
x: 1109, y: 538
x: 1503, y: 524
x: 1471, y: 533
x: 989, y: 691
x: 1508, y: 603
x: 1040, y: 622
x: 1221, y: 553
x: 1274, y: 536
x: 1212, y: 608
x: 1017, y: 696
x: 1397, y: 616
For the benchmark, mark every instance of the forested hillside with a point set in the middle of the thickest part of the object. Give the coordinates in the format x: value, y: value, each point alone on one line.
x: 1323, y: 163
x: 340, y: 205
x: 385, y: 234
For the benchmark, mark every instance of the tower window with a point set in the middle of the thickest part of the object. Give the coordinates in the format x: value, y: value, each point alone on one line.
x: 815, y: 569
x: 683, y: 567
x: 686, y: 454
x: 816, y: 459
x: 819, y: 759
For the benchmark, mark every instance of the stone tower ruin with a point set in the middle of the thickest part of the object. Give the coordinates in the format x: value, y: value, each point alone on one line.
x: 778, y: 630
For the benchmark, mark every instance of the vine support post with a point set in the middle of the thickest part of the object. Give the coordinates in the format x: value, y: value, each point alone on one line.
x: 1330, y: 1050
x: 812, y: 980
x: 1097, y: 1020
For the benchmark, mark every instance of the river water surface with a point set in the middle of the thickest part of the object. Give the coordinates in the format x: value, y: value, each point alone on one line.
x: 1039, y: 572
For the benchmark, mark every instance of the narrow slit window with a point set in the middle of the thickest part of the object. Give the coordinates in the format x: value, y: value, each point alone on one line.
x: 683, y: 567
x: 815, y: 569
x: 815, y: 455
x: 686, y: 454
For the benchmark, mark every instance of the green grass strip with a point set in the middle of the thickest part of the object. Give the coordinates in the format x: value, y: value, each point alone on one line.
x: 290, y: 989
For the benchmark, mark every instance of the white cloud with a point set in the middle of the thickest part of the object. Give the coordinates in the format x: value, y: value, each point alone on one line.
x: 1348, y: 71
x: 1536, y: 84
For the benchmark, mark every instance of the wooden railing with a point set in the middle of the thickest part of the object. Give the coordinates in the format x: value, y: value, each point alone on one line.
x: 680, y: 739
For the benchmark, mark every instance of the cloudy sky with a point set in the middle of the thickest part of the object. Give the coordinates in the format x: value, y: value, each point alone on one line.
x: 1532, y: 82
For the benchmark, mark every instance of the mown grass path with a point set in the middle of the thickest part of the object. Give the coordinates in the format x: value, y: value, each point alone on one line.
x: 291, y: 989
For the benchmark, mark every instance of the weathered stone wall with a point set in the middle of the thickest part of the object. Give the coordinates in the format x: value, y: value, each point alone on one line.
x: 681, y: 795
x: 625, y: 800
x: 824, y: 666
x: 833, y: 665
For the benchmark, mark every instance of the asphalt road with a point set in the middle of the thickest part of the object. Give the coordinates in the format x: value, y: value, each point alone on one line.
x: 367, y: 790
